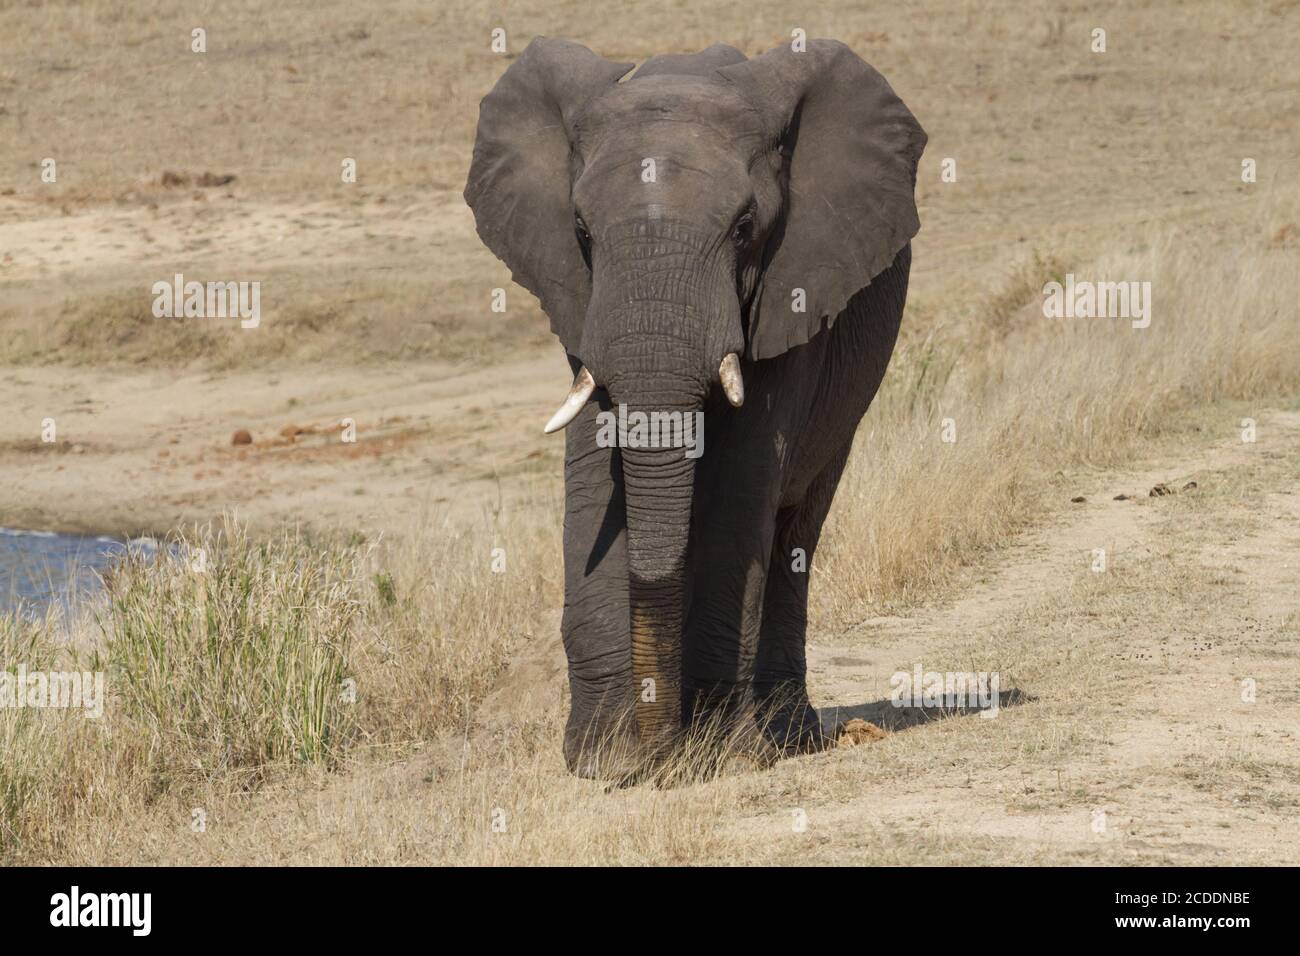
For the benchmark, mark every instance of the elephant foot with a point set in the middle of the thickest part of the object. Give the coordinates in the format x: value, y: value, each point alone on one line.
x: 697, y: 754
x: 729, y: 734
x: 747, y: 751
x: 725, y: 738
x: 616, y: 756
x: 788, y: 719
x: 707, y: 750
x: 609, y: 752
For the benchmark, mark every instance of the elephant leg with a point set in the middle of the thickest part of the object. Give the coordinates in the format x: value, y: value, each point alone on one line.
x: 599, y: 739
x: 729, y: 563
x: 780, y: 679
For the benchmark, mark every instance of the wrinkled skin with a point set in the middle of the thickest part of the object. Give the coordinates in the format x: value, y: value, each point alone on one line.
x: 778, y: 182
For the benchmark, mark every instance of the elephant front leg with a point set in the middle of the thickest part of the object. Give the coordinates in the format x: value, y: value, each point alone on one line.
x: 784, y: 711
x: 728, y: 579
x: 599, y: 739
x: 781, y: 671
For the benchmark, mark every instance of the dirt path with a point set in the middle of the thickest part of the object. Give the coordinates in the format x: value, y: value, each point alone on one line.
x: 211, y: 226
x: 1201, y: 593
x: 1047, y: 559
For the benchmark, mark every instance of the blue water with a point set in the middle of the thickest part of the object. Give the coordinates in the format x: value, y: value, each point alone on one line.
x: 41, y: 568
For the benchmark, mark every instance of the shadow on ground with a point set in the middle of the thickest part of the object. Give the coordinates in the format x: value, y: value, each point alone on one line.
x: 887, y: 716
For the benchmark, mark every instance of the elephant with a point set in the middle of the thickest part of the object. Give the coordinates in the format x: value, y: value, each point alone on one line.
x: 714, y: 237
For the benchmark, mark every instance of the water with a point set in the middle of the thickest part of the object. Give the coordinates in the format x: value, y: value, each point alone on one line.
x: 41, y: 568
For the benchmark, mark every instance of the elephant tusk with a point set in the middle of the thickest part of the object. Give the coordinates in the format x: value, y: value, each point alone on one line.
x: 732, y: 383
x: 582, y: 388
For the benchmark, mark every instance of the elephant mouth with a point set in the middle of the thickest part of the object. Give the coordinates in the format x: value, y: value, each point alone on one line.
x: 584, y: 386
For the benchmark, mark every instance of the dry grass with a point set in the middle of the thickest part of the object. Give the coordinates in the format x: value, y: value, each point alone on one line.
x: 399, y: 90
x: 445, y: 623
x: 308, y: 319
x: 1028, y: 397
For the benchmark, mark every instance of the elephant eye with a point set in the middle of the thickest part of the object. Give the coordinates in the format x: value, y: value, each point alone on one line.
x: 743, y: 230
x: 584, y: 238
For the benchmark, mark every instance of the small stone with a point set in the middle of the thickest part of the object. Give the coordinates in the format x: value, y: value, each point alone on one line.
x: 1078, y: 499
x: 208, y: 180
x: 241, y: 437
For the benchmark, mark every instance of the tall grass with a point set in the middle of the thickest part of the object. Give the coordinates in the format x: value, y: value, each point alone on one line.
x: 230, y: 661
x: 233, y: 656
x: 1027, y: 397
x: 56, y: 765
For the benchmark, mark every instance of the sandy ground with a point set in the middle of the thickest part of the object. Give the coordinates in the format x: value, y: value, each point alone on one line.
x: 145, y: 453
x: 145, y: 450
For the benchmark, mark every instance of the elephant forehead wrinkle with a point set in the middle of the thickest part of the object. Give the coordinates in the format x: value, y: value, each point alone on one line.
x: 682, y: 193
x: 667, y: 229
x: 670, y: 153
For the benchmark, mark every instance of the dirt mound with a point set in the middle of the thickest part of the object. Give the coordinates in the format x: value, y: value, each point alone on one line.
x: 856, y: 731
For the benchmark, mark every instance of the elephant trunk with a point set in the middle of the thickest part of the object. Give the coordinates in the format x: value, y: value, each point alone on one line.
x: 662, y: 318
x: 655, y: 381
x: 658, y: 485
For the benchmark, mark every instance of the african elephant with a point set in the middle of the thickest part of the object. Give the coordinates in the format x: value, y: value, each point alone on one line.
x: 714, y: 235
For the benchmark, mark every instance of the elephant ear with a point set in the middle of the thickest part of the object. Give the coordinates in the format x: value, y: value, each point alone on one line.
x: 851, y: 149
x: 519, y: 179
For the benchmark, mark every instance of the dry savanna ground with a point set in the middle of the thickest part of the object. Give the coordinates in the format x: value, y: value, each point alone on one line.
x: 1152, y: 709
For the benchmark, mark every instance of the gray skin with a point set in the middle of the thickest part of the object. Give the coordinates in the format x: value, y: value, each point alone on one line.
x: 776, y: 226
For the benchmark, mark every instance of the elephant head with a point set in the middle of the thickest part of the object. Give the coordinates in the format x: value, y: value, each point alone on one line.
x: 708, y: 208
